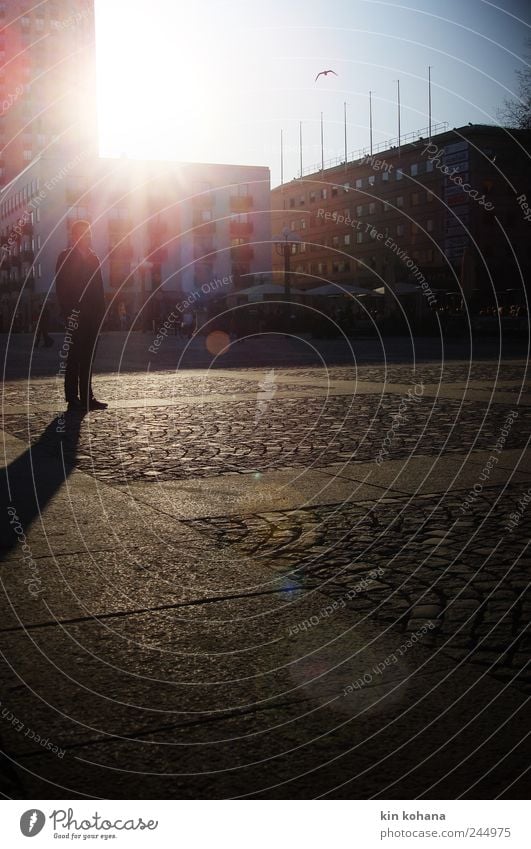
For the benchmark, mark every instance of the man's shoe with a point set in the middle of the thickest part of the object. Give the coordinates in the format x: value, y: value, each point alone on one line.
x: 96, y: 405
x: 75, y: 406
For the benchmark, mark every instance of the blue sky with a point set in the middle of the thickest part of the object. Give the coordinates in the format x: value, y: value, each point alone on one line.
x: 215, y: 82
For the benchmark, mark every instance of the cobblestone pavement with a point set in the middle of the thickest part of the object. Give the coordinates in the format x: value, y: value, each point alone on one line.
x: 273, y: 433
x: 361, y: 566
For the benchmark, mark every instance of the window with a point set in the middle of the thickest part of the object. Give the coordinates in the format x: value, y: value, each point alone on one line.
x: 359, y: 237
x: 205, y: 215
x: 400, y: 230
x: 429, y: 165
x: 346, y: 213
x: 292, y: 225
x: 415, y: 199
x: 414, y: 170
x: 429, y: 197
x: 27, y: 155
x: 334, y: 191
x: 312, y: 197
x: 321, y: 267
x: 400, y: 201
x: 302, y: 200
x: 359, y: 211
x: 399, y: 174
x: 372, y: 208
x: 39, y: 270
x: 291, y: 203
x: 25, y: 22
x: 429, y: 225
x: 385, y: 176
x: 372, y: 180
x: 386, y: 207
x: 324, y: 194
x: 335, y: 241
x: 346, y: 239
x: 303, y: 224
x: 302, y: 247
x: 359, y: 183
x: 346, y: 187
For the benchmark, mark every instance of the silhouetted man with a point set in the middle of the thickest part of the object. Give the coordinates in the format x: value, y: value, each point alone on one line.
x: 79, y: 288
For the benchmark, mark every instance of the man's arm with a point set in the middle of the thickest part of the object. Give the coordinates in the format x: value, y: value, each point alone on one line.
x: 63, y: 284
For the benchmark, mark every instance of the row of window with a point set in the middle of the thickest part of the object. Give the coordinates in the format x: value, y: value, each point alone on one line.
x: 360, y: 183
x: 415, y: 199
x: 19, y: 199
x: 359, y: 237
x: 345, y: 266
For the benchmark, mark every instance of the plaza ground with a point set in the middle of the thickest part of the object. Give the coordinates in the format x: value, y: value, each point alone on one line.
x: 290, y: 569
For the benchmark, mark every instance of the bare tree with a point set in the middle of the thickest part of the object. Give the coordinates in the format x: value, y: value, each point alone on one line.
x: 516, y: 112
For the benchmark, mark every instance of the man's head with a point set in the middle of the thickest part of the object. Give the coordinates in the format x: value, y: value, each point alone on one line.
x: 81, y: 235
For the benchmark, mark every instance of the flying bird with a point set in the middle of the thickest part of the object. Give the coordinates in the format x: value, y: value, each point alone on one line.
x: 324, y: 73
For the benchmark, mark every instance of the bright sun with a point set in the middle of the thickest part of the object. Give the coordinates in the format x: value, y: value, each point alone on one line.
x: 160, y: 89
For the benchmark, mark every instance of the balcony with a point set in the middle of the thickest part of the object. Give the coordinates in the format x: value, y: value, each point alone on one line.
x: 241, y: 229
x: 242, y: 253
x: 157, y: 230
x: 156, y: 254
x: 120, y: 253
x: 203, y: 200
x: 205, y: 227
x: 241, y: 203
x: 203, y: 249
x: 119, y: 225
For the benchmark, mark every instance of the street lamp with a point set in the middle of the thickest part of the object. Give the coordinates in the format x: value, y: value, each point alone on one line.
x: 143, y: 267
x: 286, y: 245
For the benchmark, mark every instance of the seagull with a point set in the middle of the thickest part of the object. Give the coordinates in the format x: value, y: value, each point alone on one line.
x: 325, y: 73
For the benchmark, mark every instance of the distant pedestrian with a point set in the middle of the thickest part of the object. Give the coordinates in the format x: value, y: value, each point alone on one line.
x: 43, y: 324
x: 188, y: 325
x: 79, y: 287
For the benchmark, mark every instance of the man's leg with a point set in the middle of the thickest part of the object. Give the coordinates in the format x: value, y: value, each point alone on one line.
x: 72, y: 370
x: 86, y: 356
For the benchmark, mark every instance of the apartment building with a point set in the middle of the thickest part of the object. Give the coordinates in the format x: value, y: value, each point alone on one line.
x: 47, y: 81
x: 400, y: 215
x: 162, y: 230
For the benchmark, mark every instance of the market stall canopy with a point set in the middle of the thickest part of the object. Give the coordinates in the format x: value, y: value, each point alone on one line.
x: 257, y: 293
x: 400, y: 289
x: 339, y: 290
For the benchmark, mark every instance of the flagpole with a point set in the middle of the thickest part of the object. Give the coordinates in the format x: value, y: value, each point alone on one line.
x: 282, y: 157
x: 322, y: 145
x: 370, y: 118
x: 398, y: 101
x: 346, y: 148
x: 429, y: 104
x: 300, y: 148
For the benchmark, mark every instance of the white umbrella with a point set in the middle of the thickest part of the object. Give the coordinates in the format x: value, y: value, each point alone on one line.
x: 339, y: 289
x: 257, y: 293
x: 400, y: 289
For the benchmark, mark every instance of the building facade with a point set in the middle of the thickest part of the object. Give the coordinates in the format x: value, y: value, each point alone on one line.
x: 162, y: 230
x: 402, y: 216
x: 47, y: 81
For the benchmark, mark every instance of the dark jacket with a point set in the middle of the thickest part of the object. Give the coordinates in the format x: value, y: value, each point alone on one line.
x: 79, y: 286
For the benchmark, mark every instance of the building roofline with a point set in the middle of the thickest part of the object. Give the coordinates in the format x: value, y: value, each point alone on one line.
x: 392, y: 151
